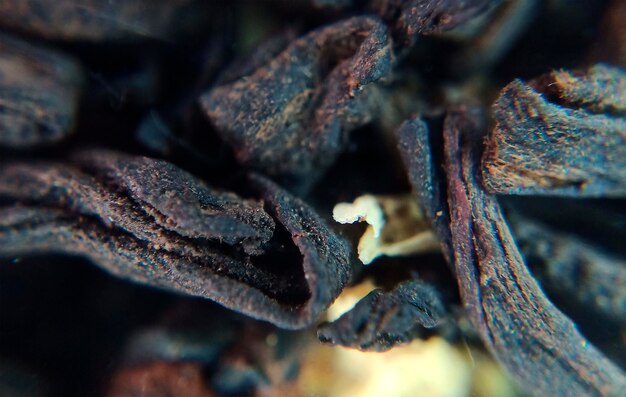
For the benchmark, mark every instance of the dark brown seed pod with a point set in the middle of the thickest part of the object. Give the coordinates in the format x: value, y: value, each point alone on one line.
x: 39, y: 92
x: 290, y: 117
x: 150, y: 222
x: 562, y: 134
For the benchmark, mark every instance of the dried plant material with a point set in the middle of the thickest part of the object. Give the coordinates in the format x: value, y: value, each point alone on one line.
x: 431, y: 368
x: 150, y: 222
x: 98, y: 20
x: 575, y: 145
x: 348, y: 298
x: 598, y: 89
x: 396, y: 226
x: 39, y: 91
x: 325, y: 256
x: 383, y: 320
x: 539, y: 346
x: 418, y: 151
x: 583, y: 272
x: 221, y: 269
x: 160, y: 379
x: 409, y: 19
x: 290, y: 117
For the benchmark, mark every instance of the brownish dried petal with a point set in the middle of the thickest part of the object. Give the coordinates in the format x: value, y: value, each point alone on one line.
x: 39, y: 90
x: 97, y: 20
x: 383, y: 320
x: 532, y: 339
x: 150, y: 222
x: 290, y: 118
x: 541, y: 147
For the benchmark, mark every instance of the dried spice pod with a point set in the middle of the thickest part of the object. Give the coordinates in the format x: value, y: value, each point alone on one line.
x: 582, y: 271
x: 150, y: 222
x: 540, y: 347
x: 573, y: 146
x: 99, y: 20
x: 409, y: 19
x: 382, y: 320
x: 39, y: 93
x: 290, y: 118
